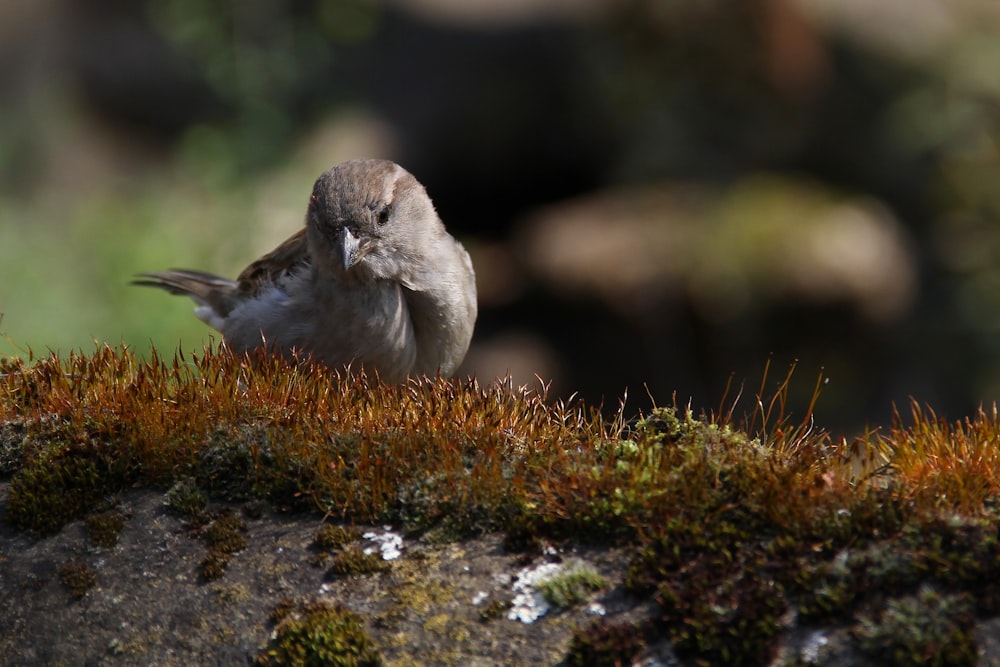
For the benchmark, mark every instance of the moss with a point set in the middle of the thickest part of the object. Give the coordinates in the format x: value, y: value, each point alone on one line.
x: 105, y: 527
x: 225, y: 533
x: 225, y: 467
x: 354, y: 561
x: 926, y: 629
x: 12, y: 444
x: 78, y: 577
x: 332, y: 537
x: 314, y: 634
x: 605, y: 644
x: 494, y: 608
x: 235, y: 595
x: 729, y: 527
x: 439, y: 624
x: 281, y: 610
x: 735, y: 620
x: 186, y: 500
x: 57, y: 488
x: 225, y: 537
x: 571, y: 587
x: 417, y: 593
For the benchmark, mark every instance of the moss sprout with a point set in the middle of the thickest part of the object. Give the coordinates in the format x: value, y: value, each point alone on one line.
x: 185, y: 499
x: 353, y: 561
x: 332, y: 537
x: 78, y: 577
x: 225, y: 537
x: 104, y: 527
x: 572, y: 586
x: 316, y: 633
x: 494, y: 608
x: 605, y: 644
x: 929, y: 628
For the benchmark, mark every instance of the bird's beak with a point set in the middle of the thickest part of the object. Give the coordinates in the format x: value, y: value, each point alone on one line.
x: 350, y: 248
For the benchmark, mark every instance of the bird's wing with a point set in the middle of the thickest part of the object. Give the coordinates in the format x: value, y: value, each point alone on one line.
x: 287, y: 257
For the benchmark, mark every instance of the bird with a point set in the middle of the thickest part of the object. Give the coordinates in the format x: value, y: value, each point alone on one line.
x: 372, y: 281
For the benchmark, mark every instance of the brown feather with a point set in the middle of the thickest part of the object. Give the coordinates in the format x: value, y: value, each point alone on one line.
x: 288, y: 256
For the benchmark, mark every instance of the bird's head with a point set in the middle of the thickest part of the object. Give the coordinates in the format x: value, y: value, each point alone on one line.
x: 371, y: 219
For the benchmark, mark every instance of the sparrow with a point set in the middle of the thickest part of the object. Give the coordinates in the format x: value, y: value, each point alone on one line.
x: 373, y: 281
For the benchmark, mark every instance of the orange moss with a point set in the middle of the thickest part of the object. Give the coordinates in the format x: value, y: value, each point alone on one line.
x: 733, y: 524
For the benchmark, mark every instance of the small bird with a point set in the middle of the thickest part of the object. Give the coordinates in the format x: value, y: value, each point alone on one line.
x: 373, y: 281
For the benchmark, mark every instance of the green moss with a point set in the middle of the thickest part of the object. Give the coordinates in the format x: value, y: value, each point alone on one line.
x: 494, y: 608
x: 317, y: 634
x: 731, y: 620
x: 281, y: 610
x: 332, y: 537
x: 225, y: 467
x: 225, y: 537
x: 214, y: 565
x: 55, y: 489
x: 78, y: 577
x: 605, y: 644
x: 354, y: 561
x: 186, y: 499
x: 104, y: 527
x: 926, y: 629
x: 225, y: 533
x: 571, y: 587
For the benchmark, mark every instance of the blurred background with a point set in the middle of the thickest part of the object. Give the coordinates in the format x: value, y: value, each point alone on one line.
x: 658, y: 196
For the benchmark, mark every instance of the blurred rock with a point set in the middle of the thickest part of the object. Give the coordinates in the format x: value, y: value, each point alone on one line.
x: 764, y: 239
x: 502, y: 13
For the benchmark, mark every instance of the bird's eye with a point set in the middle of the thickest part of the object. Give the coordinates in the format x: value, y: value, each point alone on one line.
x: 382, y: 216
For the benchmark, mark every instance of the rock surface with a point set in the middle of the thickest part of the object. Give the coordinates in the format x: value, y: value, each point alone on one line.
x: 149, y: 604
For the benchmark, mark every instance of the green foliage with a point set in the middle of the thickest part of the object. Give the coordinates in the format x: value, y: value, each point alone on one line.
x: 316, y: 634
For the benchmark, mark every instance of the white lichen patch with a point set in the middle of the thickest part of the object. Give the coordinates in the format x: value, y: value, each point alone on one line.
x: 388, y: 542
x: 529, y: 605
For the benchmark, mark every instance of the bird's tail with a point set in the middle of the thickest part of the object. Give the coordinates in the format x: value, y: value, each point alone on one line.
x: 215, y: 292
